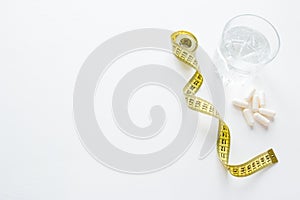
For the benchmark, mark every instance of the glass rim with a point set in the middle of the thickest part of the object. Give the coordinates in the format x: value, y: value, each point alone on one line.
x: 263, y: 19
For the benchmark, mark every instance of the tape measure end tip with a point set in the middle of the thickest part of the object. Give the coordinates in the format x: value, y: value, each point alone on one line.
x: 273, y: 156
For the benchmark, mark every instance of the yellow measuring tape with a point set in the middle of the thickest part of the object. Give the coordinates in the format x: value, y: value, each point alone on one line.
x: 184, y: 45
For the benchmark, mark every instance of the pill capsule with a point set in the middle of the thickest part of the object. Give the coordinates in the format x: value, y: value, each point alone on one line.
x: 250, y: 95
x: 248, y: 116
x: 267, y: 112
x: 240, y: 103
x: 262, y: 99
x: 261, y: 119
x: 255, y: 103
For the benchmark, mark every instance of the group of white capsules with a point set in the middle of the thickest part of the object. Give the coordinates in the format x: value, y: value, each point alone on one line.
x: 254, y: 108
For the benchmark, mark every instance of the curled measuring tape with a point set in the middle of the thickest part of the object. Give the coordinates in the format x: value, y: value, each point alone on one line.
x: 184, y: 45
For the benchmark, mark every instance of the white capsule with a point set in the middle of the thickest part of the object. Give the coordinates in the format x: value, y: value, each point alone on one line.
x: 261, y: 119
x: 248, y: 117
x: 250, y: 95
x: 255, y: 103
x: 262, y: 99
x: 267, y: 112
x: 240, y: 103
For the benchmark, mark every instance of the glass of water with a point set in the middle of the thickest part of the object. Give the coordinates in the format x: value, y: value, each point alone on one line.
x: 248, y: 43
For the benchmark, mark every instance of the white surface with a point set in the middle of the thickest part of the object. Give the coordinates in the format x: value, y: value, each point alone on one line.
x: 42, y: 46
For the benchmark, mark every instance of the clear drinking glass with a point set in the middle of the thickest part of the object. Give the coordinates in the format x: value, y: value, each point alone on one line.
x: 248, y: 43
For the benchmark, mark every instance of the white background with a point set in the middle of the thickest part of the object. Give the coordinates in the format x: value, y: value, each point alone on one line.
x: 42, y: 47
